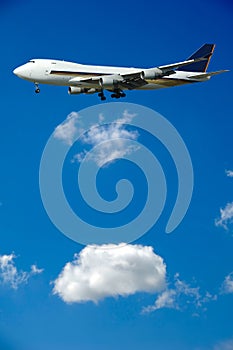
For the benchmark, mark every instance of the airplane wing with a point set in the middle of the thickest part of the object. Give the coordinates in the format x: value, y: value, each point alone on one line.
x: 127, y: 81
x: 135, y: 80
x: 132, y: 80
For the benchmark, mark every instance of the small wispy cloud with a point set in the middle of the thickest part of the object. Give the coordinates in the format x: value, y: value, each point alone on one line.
x: 67, y: 130
x: 224, y: 345
x: 98, y: 272
x: 226, y: 216
x: 181, y: 296
x: 35, y: 270
x: 227, y: 286
x: 226, y: 213
x: 99, y: 135
x: 11, y: 276
x: 229, y: 173
x: 167, y: 299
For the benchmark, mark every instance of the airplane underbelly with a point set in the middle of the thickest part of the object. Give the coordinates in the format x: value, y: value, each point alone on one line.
x: 163, y: 83
x: 56, y: 80
x: 151, y: 87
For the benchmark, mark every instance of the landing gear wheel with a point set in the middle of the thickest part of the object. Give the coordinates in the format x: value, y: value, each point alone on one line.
x: 101, y: 95
x: 118, y: 94
x: 37, y: 89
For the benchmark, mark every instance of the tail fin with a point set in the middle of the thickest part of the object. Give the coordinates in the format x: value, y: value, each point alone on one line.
x: 205, y: 51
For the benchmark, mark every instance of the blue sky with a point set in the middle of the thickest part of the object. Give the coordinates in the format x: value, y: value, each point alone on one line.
x: 194, y: 309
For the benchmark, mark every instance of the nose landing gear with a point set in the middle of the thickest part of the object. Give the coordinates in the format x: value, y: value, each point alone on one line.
x: 37, y: 89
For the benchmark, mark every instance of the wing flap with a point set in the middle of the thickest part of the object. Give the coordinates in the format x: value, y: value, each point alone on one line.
x: 132, y: 80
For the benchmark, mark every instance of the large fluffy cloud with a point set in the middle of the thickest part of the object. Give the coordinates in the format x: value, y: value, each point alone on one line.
x: 11, y: 276
x: 104, y: 271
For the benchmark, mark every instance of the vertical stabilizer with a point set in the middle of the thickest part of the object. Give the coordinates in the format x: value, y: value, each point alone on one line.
x: 205, y: 51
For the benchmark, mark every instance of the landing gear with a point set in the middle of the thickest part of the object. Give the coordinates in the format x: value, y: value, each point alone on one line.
x: 101, y: 95
x: 115, y: 96
x: 118, y: 94
x: 37, y: 89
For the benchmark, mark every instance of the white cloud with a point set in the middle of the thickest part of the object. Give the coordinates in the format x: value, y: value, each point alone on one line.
x: 180, y: 296
x: 98, y: 134
x: 107, y: 151
x: 182, y: 288
x: 224, y: 345
x: 229, y: 173
x: 67, y: 130
x: 110, y: 270
x: 226, y: 216
x: 166, y: 299
x: 35, y: 270
x: 10, y: 275
x: 227, y: 286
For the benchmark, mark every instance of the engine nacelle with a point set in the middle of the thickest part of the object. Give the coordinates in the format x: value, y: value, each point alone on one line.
x: 73, y: 90
x: 151, y: 73
x: 90, y: 91
x: 109, y: 82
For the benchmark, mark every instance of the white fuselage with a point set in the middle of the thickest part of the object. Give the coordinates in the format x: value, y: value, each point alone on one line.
x: 57, y: 72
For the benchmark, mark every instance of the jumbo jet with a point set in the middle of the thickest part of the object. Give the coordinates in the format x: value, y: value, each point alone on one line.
x: 89, y: 79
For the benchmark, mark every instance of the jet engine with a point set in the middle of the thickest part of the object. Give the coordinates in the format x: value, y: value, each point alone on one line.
x: 109, y: 82
x: 152, y: 73
x: 80, y: 90
x: 75, y: 90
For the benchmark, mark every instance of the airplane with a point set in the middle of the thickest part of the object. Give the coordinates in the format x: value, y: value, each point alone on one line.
x: 90, y: 79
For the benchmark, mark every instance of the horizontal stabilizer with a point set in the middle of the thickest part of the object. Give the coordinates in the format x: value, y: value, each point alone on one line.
x: 206, y: 75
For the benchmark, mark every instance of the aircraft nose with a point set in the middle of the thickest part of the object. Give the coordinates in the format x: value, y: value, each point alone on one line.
x: 18, y: 71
